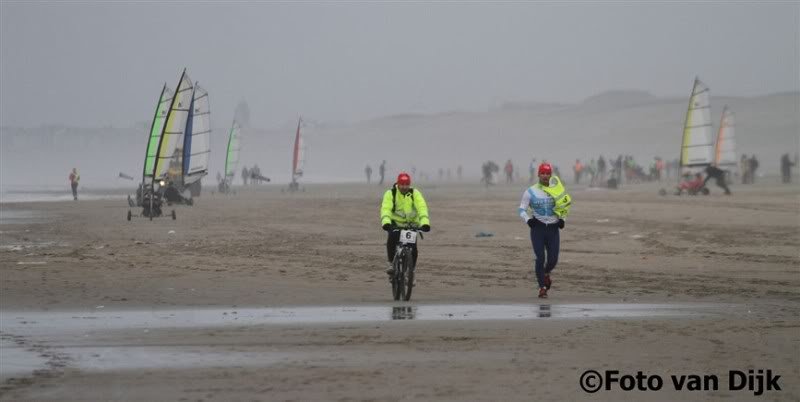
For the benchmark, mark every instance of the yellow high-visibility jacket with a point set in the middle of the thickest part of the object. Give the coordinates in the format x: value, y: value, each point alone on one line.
x: 559, y: 193
x: 404, y: 210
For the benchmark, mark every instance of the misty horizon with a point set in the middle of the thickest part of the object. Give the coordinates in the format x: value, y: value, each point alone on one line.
x: 508, y: 104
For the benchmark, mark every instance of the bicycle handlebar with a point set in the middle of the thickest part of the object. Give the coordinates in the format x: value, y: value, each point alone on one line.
x: 413, y: 228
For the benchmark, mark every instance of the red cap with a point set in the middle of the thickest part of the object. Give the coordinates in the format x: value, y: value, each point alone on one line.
x: 545, y: 168
x: 404, y: 178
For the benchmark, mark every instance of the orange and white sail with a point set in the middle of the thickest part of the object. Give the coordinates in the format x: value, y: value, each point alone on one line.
x: 298, y: 154
x: 725, y: 150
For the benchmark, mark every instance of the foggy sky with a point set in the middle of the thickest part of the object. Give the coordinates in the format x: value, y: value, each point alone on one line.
x: 92, y: 64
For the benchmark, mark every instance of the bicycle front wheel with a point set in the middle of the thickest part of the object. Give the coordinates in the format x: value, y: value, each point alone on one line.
x: 397, y: 278
x: 408, y: 274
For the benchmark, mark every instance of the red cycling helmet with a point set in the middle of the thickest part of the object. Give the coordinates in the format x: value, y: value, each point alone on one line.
x: 545, y: 168
x: 404, y: 179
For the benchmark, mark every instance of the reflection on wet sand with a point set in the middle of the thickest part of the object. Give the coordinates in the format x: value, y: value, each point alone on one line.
x: 410, y: 312
x: 544, y: 311
x: 404, y: 312
x: 72, y: 321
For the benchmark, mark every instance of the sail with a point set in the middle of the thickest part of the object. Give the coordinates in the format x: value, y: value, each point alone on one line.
x: 170, y: 148
x: 232, y: 155
x: 697, y: 148
x: 725, y: 154
x: 155, y: 131
x: 298, y: 154
x: 196, y: 138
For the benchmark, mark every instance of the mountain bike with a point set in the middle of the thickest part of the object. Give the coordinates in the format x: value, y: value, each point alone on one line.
x: 403, y: 264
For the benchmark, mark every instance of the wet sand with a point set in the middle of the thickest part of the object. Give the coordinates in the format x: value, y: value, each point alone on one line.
x: 264, y: 249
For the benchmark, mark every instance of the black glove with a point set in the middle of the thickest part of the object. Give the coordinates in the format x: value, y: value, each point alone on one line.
x: 425, y: 228
x: 531, y: 223
x: 561, y: 224
x: 387, y: 227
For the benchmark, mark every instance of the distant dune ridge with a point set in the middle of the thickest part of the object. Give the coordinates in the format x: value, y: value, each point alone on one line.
x: 610, y: 123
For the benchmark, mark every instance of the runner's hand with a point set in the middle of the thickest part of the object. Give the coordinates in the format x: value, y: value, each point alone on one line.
x: 561, y: 224
x: 425, y: 228
x: 531, y: 223
x: 387, y: 227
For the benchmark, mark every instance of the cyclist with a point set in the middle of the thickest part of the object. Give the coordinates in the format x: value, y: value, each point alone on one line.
x: 548, y: 203
x: 402, y: 207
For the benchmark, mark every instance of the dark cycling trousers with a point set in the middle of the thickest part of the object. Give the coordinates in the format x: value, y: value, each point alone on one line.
x: 545, y: 240
x: 391, y: 243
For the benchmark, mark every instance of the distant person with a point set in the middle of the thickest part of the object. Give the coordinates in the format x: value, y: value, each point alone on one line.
x: 256, y: 177
x: 459, y: 172
x: 543, y: 208
x: 402, y: 207
x: 245, y: 175
x: 601, y: 168
x: 488, y: 169
x: 368, y: 172
x: 255, y: 174
x: 719, y: 175
x: 441, y: 174
x: 74, y: 179
x: 744, y: 169
x: 652, y: 173
x: 509, y: 169
x: 382, y: 171
x: 786, y: 168
x: 532, y: 171
x: 591, y: 170
x: 753, y: 164
x: 576, y: 170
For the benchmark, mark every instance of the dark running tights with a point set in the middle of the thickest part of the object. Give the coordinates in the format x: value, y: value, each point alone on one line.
x: 545, y: 241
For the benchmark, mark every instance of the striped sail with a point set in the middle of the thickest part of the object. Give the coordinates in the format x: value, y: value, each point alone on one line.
x: 170, y: 148
x: 197, y: 137
x: 697, y: 147
x: 232, y: 155
x: 725, y: 154
x: 155, y: 131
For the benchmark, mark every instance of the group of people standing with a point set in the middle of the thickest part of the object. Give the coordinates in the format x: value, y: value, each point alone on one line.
x: 748, y: 168
x: 595, y: 171
x: 600, y: 172
x: 253, y: 175
x: 381, y: 172
x: 444, y: 174
x: 511, y: 171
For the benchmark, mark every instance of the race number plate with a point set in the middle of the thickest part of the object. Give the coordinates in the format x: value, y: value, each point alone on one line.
x: 408, y: 237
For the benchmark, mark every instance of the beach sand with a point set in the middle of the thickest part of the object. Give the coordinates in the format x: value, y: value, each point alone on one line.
x: 324, y: 247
